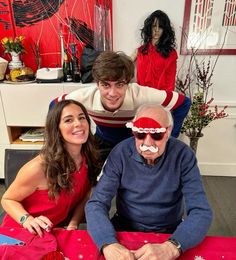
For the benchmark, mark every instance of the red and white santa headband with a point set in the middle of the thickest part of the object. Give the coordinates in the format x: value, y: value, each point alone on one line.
x: 146, y: 125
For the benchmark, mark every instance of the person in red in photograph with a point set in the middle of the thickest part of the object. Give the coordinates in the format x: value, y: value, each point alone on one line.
x: 156, y: 58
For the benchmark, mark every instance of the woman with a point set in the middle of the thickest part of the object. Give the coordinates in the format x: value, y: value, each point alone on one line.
x: 156, y: 58
x: 57, y: 183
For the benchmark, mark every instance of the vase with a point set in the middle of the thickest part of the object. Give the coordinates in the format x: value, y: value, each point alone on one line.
x: 15, y: 62
x: 193, y: 142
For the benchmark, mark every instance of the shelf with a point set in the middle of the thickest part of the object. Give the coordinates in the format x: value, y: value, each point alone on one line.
x: 18, y: 141
x: 15, y: 132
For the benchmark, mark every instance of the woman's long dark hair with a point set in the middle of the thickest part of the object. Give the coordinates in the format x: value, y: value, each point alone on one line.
x: 167, y: 41
x: 57, y: 161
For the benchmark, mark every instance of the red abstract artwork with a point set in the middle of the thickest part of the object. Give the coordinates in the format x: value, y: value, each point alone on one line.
x: 49, y: 26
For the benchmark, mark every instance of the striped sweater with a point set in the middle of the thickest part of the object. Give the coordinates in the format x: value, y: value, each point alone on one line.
x: 110, y: 126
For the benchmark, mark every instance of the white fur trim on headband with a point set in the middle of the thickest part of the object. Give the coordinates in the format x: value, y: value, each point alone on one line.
x: 145, y: 130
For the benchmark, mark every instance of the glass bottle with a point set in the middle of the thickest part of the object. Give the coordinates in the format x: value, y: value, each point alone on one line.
x: 67, y: 69
x: 75, y: 64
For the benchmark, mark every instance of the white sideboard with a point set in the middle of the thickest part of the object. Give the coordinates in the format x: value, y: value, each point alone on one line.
x: 26, y: 105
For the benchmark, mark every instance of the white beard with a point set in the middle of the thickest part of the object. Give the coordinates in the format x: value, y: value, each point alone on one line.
x: 152, y: 149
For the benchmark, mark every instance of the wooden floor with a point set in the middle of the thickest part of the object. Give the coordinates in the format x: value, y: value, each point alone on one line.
x: 221, y: 193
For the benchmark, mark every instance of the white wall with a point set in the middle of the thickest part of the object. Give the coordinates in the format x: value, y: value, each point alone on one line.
x: 128, y: 17
x: 217, y: 149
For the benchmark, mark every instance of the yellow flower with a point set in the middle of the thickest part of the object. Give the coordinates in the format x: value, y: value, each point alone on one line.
x: 4, y: 40
x: 15, y: 44
x: 21, y: 38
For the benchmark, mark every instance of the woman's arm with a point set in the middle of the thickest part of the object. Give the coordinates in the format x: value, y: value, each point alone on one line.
x: 78, y: 214
x: 25, y: 183
x: 29, y: 178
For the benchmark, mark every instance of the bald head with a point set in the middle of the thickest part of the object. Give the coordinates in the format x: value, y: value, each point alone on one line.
x: 156, y: 112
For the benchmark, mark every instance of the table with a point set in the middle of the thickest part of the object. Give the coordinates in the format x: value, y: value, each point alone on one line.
x: 77, y: 244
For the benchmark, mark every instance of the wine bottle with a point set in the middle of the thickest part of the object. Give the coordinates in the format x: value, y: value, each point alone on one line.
x: 67, y: 73
x: 75, y: 64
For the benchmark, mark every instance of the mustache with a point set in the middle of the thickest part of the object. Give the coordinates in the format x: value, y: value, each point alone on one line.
x: 152, y: 149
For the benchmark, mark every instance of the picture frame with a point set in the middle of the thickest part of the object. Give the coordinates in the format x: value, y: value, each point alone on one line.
x: 209, y: 27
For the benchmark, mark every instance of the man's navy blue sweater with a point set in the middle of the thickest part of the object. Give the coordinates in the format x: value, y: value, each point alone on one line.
x: 151, y: 197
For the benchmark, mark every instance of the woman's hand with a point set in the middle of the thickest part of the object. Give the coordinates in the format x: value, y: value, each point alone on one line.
x: 71, y: 227
x: 35, y: 225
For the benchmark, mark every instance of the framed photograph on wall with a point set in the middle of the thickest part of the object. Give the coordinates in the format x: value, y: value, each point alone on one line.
x: 209, y: 27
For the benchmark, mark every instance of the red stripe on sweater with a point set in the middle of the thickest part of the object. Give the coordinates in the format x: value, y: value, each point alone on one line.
x: 63, y: 97
x: 169, y: 95
x: 180, y: 100
x: 109, y: 124
x: 111, y: 117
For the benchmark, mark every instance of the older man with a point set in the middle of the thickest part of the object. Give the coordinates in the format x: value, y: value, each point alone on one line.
x: 112, y: 101
x: 151, y: 175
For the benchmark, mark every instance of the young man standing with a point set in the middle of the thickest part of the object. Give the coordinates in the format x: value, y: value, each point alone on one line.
x: 112, y: 101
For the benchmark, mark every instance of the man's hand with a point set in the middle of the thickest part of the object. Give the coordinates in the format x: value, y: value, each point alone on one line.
x: 164, y: 251
x: 117, y: 251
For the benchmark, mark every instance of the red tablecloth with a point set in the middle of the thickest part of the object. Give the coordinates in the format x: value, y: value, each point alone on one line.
x: 78, y: 244
x: 34, y: 247
x: 82, y: 246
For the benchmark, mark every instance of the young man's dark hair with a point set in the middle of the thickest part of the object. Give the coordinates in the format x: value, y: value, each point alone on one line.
x: 113, y: 66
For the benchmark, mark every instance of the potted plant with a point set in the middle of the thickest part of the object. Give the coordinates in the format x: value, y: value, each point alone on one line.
x: 196, y: 83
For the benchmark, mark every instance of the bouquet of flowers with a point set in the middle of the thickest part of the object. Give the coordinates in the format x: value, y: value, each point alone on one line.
x: 13, y: 45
